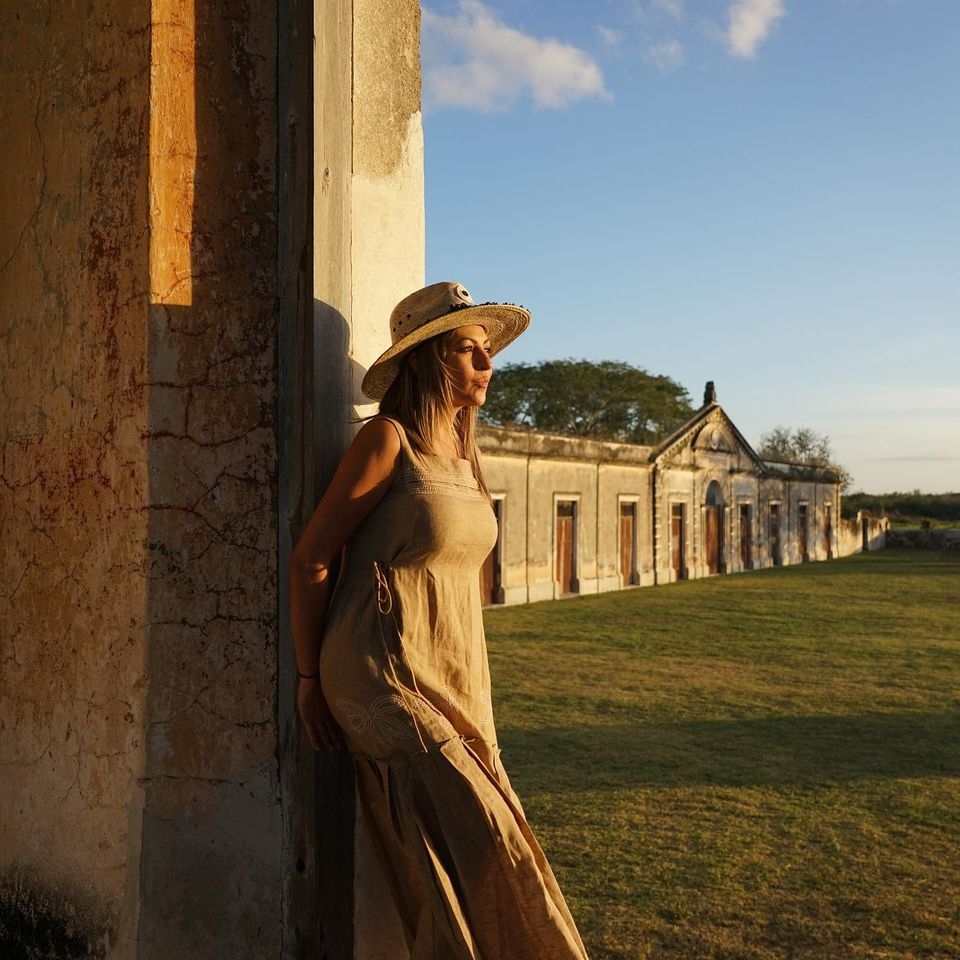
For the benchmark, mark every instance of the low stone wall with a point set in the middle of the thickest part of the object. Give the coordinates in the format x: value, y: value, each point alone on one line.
x: 930, y: 539
x: 860, y: 533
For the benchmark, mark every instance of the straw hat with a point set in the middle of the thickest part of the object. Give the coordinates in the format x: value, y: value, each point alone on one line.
x: 436, y: 309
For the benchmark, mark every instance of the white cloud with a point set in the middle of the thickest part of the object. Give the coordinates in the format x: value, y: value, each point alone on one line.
x: 665, y: 56
x: 609, y: 36
x: 672, y: 7
x: 473, y: 61
x: 750, y: 23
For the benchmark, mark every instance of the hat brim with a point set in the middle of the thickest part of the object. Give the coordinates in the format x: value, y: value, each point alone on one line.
x: 504, y: 322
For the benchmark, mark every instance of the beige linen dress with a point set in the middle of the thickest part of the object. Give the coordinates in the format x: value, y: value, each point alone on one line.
x: 404, y: 668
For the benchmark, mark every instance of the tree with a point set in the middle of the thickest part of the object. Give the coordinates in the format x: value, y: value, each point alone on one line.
x: 909, y: 509
x: 805, y: 447
x: 608, y: 399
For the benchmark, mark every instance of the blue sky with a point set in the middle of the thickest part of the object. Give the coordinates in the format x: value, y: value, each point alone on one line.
x: 763, y: 193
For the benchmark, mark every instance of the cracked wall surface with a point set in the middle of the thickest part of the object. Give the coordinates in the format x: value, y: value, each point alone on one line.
x: 211, y: 841
x: 73, y: 282
x: 139, y: 807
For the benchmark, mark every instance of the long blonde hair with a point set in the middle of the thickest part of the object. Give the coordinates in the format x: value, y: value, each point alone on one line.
x: 420, y: 398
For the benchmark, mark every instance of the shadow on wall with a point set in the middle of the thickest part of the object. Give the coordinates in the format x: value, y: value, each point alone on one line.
x: 319, y: 387
x: 210, y: 865
x: 37, y: 920
x: 230, y: 824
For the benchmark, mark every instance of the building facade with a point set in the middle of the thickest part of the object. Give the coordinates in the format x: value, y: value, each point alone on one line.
x: 581, y: 516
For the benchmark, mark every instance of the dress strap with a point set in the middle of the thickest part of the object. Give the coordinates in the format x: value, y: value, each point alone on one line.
x: 407, y: 455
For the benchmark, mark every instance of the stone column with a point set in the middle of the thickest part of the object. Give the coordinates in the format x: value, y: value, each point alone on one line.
x: 150, y: 765
x: 368, y: 252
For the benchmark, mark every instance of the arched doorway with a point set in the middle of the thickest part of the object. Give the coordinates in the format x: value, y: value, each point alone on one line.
x: 713, y: 528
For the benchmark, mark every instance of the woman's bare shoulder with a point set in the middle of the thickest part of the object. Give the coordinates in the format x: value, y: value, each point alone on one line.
x: 359, y: 483
x: 378, y: 438
x: 374, y: 453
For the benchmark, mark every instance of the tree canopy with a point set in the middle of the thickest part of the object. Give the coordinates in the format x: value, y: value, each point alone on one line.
x: 803, y: 446
x: 909, y: 509
x: 607, y: 399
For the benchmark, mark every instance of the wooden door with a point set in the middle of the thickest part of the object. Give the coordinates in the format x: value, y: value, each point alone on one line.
x: 802, y: 544
x: 712, y: 537
x: 490, y: 572
x: 487, y: 576
x: 628, y: 543
x: 677, y: 535
x: 828, y: 531
x: 564, y: 527
x: 775, y: 533
x: 746, y: 553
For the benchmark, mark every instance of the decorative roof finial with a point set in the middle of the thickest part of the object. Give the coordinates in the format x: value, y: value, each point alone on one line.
x: 709, y: 393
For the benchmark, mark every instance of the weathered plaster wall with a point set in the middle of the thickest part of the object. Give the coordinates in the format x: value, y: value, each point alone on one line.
x: 745, y: 493
x: 139, y: 811
x: 790, y: 494
x: 73, y: 362
x: 675, y: 487
x: 387, y: 200
x: 551, y: 481
x: 619, y: 483
x: 853, y: 531
x: 531, y: 472
x: 211, y: 831
x: 506, y: 478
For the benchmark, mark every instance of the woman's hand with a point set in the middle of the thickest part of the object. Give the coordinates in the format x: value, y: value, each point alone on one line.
x: 322, y: 730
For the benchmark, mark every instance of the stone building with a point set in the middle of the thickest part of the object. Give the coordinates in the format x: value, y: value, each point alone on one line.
x: 582, y: 516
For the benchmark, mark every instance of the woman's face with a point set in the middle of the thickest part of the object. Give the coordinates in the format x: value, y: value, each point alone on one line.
x: 468, y: 357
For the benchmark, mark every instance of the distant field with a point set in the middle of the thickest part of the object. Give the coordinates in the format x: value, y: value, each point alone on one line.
x: 757, y: 766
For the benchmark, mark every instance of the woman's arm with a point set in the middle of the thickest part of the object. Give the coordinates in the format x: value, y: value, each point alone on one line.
x: 362, y: 478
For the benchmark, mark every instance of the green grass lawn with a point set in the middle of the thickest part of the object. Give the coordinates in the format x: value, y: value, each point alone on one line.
x: 756, y: 766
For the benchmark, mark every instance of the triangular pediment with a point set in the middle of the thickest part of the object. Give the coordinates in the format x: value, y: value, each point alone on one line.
x: 708, y: 431
x: 714, y: 436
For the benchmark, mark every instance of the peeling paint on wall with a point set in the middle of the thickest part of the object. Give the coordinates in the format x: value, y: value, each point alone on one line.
x: 386, y: 90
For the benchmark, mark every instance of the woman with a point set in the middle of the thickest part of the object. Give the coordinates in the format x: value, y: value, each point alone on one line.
x: 402, y: 671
